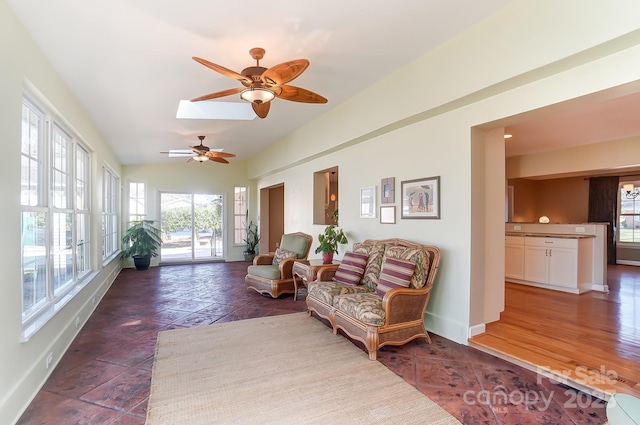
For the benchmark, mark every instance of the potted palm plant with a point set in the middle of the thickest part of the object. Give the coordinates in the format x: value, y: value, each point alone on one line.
x: 251, y: 239
x: 329, y: 241
x: 141, y: 242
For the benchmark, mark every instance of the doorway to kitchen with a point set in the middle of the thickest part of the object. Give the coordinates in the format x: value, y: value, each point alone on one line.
x: 192, y: 227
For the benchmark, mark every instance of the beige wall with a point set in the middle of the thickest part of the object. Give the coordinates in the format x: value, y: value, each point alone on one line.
x: 562, y: 200
x: 581, y: 160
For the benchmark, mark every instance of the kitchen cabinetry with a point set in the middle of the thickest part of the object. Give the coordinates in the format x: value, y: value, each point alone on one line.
x: 551, y: 261
x: 514, y: 257
x: 562, y: 263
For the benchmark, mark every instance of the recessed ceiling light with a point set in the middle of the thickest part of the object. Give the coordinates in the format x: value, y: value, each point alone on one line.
x: 508, y: 136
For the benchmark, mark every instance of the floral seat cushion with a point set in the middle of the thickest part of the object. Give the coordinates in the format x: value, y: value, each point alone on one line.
x: 365, y: 307
x: 327, y: 291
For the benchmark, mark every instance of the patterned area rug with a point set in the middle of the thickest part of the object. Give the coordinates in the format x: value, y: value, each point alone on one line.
x: 287, y: 369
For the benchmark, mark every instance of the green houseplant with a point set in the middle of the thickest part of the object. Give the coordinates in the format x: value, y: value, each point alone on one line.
x: 329, y: 241
x: 141, y: 242
x: 251, y: 239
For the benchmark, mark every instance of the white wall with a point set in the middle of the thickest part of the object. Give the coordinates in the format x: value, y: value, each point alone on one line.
x: 418, y: 123
x: 22, y: 364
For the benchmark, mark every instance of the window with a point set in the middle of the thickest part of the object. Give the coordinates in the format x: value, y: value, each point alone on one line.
x: 629, y: 212
x: 55, y: 200
x: 137, y: 201
x: 110, y: 196
x: 240, y: 208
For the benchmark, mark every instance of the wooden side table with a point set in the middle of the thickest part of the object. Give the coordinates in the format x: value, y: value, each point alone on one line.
x: 307, y: 271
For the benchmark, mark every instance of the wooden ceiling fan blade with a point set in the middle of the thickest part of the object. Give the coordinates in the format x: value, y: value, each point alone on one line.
x: 218, y: 94
x: 297, y: 94
x: 285, y: 72
x: 222, y: 70
x: 214, y: 154
x: 261, y: 109
x: 220, y: 160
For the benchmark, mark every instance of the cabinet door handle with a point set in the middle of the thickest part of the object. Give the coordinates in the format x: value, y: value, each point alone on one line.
x: 549, y: 253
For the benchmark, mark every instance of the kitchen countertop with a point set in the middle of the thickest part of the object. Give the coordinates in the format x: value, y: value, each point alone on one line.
x: 549, y: 235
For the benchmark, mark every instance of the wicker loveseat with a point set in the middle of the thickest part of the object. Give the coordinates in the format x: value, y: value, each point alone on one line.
x: 375, y: 311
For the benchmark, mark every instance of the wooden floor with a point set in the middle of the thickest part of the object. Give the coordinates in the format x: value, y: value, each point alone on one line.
x: 591, y: 341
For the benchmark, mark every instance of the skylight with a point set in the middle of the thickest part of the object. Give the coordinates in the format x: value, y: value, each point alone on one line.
x: 211, y: 110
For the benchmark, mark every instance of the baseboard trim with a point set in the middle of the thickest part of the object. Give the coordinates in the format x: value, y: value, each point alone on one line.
x: 477, y: 330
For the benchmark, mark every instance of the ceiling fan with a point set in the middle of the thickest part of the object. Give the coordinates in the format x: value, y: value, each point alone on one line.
x: 262, y: 85
x: 200, y: 153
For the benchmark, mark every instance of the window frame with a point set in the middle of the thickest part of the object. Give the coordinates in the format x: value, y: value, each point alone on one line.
x: 110, y: 214
x: 240, y: 211
x: 55, y: 262
x: 635, y: 215
x: 137, y: 203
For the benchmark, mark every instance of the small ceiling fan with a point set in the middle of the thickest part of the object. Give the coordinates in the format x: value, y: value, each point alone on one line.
x: 200, y: 153
x: 262, y: 85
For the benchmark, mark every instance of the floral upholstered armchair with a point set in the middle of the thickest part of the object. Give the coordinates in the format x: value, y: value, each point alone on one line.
x: 272, y: 273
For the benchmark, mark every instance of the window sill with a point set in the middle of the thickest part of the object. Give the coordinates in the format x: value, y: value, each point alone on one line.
x: 37, y: 322
x: 628, y: 245
x: 107, y: 260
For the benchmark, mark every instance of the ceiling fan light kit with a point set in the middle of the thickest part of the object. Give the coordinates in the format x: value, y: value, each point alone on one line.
x: 200, y: 158
x: 201, y: 153
x: 257, y: 95
x: 262, y: 85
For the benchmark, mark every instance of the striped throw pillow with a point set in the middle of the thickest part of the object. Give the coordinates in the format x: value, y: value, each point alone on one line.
x: 395, y: 273
x: 351, y: 268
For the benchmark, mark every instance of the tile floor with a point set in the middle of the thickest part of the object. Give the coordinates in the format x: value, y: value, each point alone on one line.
x: 104, y: 377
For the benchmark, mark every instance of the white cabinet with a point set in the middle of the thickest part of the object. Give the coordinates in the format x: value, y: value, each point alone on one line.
x: 551, y: 261
x: 514, y: 257
x: 562, y: 263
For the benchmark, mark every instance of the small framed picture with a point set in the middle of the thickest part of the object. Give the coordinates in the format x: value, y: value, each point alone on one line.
x: 388, y: 215
x: 421, y: 198
x: 368, y: 202
x: 388, y: 190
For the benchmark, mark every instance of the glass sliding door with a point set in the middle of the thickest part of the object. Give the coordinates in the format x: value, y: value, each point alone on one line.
x: 192, y: 227
x: 207, y: 219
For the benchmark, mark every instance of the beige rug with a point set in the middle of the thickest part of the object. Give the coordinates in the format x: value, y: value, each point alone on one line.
x: 287, y: 369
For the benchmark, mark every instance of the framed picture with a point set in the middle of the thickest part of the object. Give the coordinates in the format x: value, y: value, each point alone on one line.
x: 388, y: 215
x: 421, y: 198
x: 368, y: 202
x: 388, y: 190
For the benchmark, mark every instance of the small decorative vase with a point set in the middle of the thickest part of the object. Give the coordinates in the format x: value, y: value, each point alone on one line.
x: 327, y: 257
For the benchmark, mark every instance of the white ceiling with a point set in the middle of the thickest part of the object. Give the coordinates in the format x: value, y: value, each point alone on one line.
x: 129, y: 64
